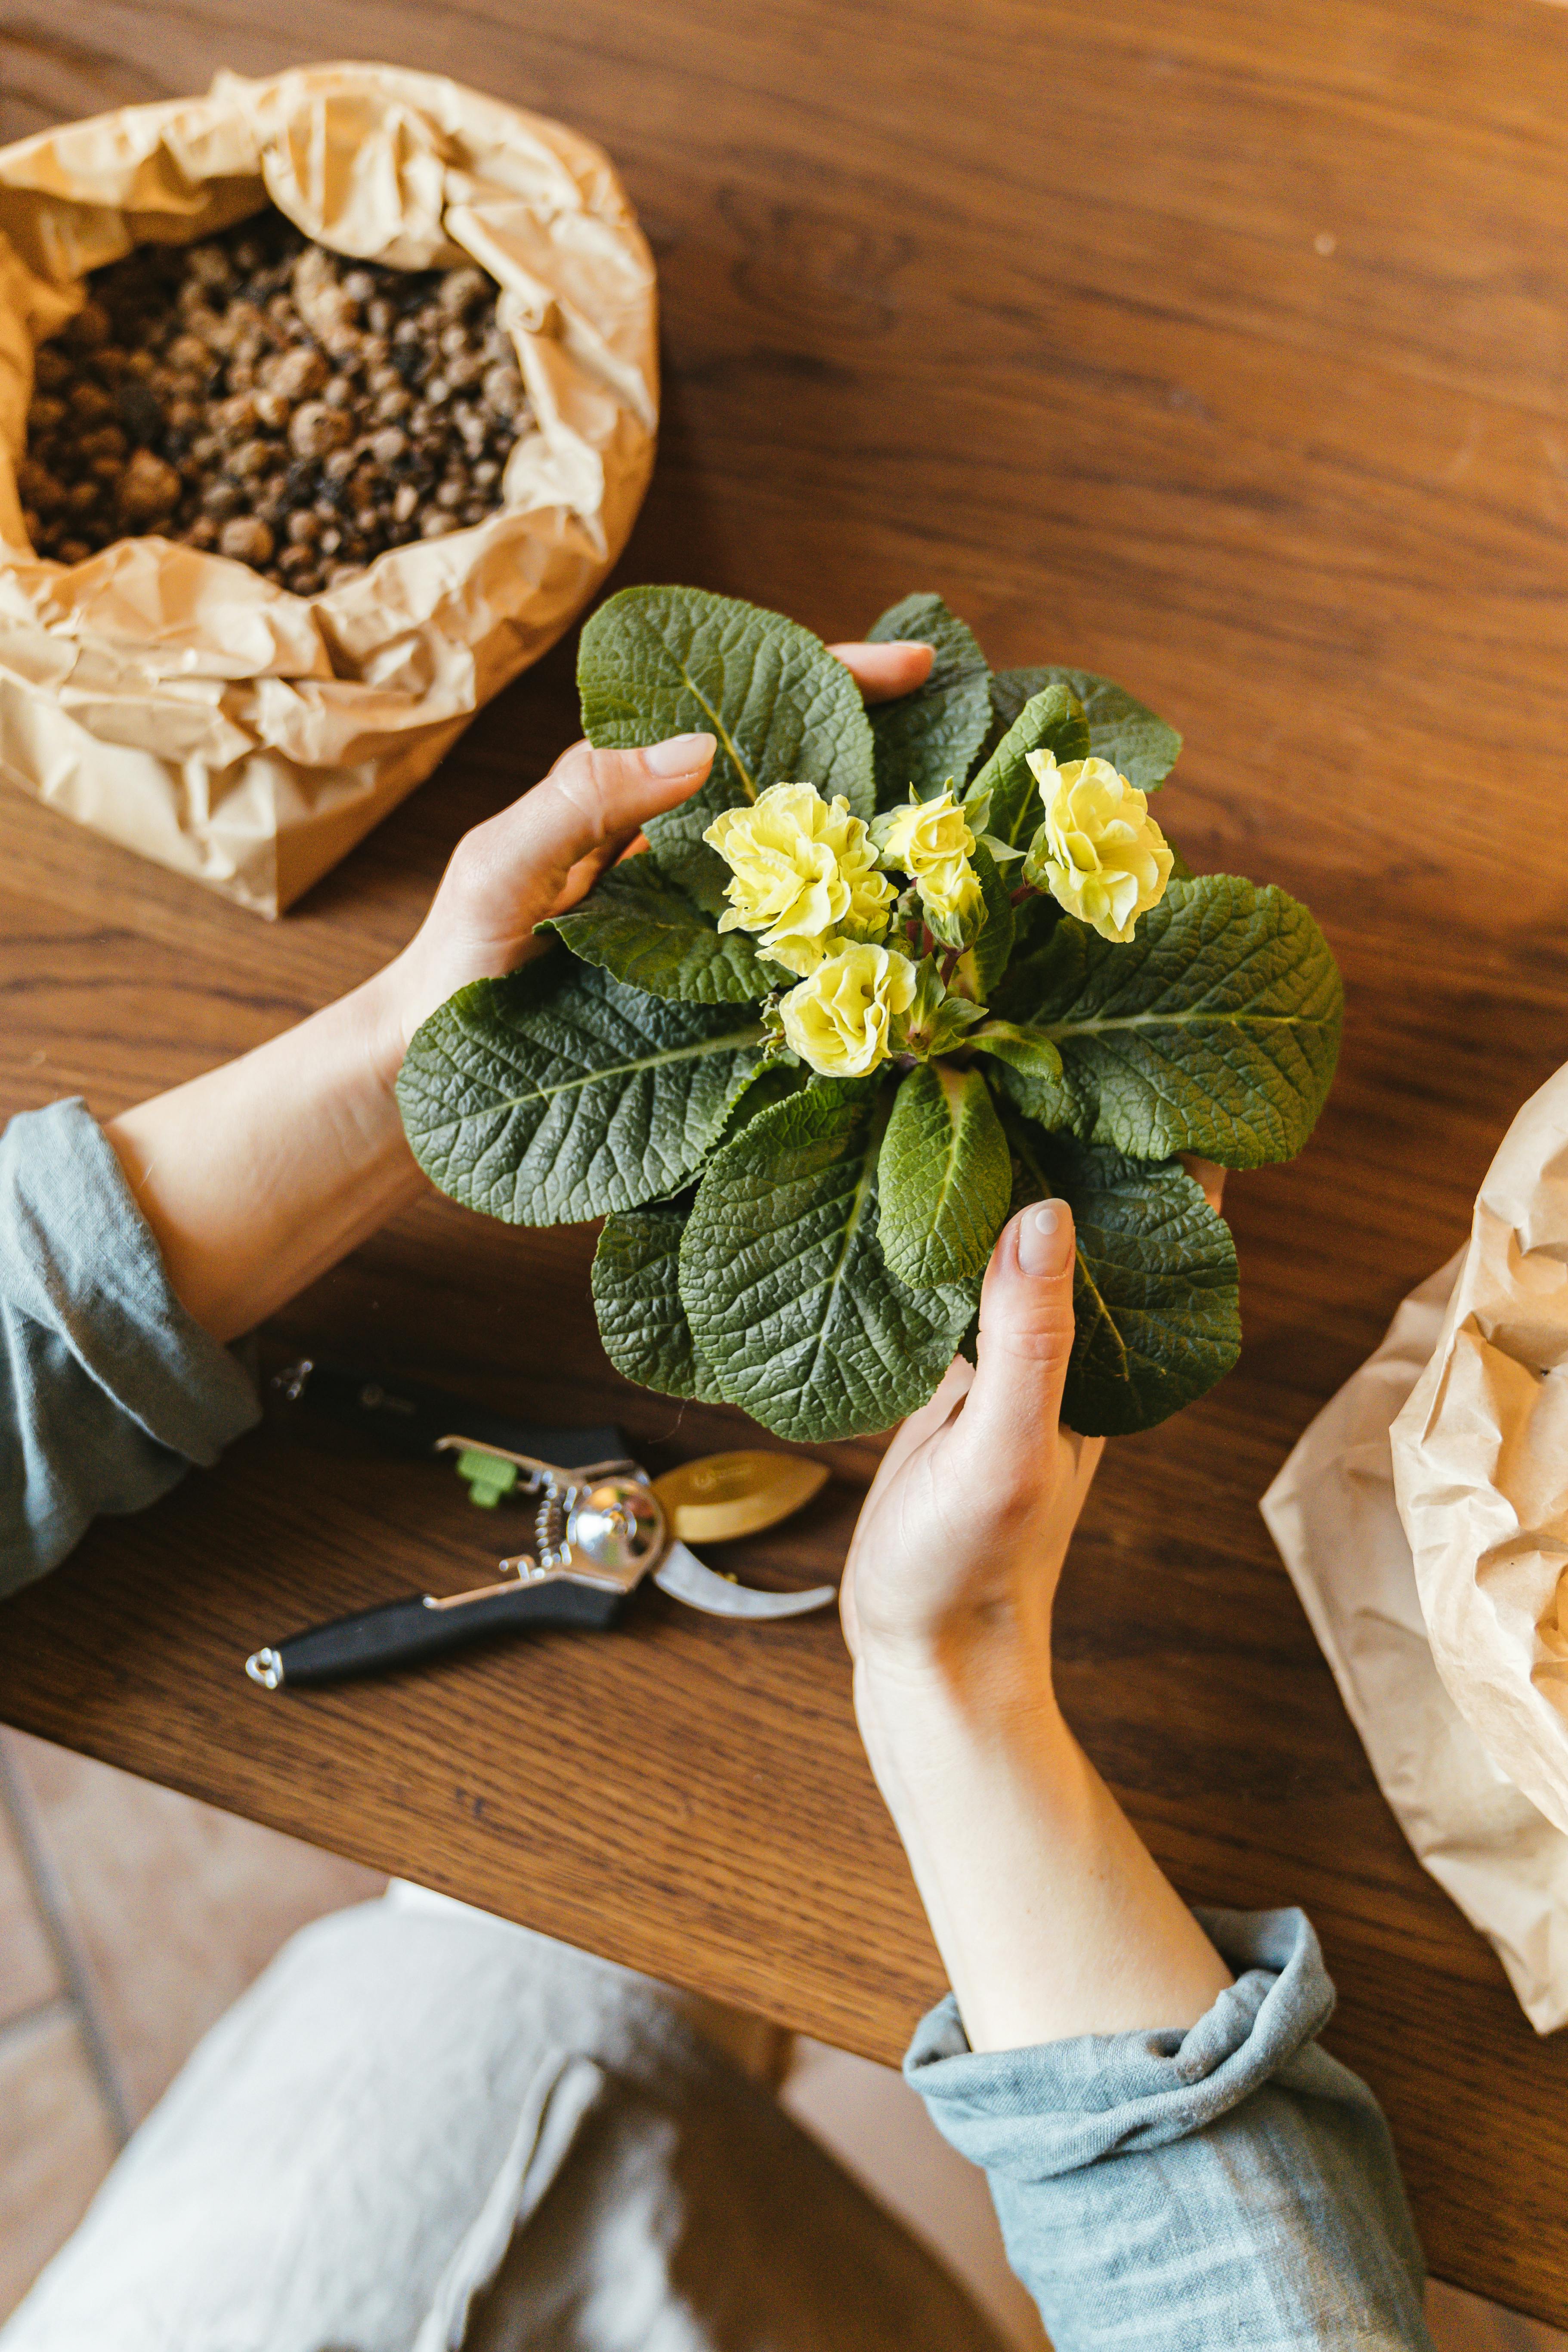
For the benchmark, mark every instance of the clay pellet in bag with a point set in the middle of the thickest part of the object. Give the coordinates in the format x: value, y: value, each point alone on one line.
x: 347, y: 403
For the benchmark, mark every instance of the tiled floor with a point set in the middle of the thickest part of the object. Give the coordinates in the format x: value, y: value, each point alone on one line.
x: 130, y: 1918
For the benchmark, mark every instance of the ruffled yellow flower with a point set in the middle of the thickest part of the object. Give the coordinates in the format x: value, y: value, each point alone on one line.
x: 805, y: 874
x: 1104, y: 857
x: 930, y: 842
x: 838, y: 1020
x: 926, y: 834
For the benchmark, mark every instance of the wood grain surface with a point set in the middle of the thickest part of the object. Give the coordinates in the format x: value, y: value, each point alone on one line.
x: 1220, y: 349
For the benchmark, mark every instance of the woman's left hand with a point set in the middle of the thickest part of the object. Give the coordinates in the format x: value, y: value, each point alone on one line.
x: 546, y: 851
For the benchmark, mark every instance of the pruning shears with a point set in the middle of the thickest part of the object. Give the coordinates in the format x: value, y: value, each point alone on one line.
x: 601, y: 1524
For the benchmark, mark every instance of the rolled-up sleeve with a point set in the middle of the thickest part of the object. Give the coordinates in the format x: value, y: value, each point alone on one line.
x: 1175, y: 2191
x: 109, y: 1391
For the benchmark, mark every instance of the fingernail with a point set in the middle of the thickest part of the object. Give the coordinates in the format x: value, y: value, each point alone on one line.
x: 679, y: 754
x: 1043, y: 1239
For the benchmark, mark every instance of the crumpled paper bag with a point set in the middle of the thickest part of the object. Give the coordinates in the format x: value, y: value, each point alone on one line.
x: 1480, y: 1464
x: 1333, y: 1514
x: 180, y: 703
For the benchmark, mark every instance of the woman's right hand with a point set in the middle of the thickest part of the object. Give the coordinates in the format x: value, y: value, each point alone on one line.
x: 962, y: 1536
x: 1051, y: 1917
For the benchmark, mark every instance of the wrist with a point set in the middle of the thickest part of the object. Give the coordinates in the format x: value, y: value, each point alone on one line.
x: 923, y: 1705
x: 974, y: 1656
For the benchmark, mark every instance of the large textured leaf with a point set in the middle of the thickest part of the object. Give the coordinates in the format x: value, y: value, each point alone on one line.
x: 1053, y: 720
x: 926, y: 737
x: 637, y: 1293
x: 1067, y: 1101
x: 558, y: 1094
x: 944, y: 1177
x: 639, y: 924
x: 1156, y: 1304
x: 784, y: 1285
x: 664, y: 661
x: 637, y: 1297
x: 1215, y: 1029
x: 1120, y: 730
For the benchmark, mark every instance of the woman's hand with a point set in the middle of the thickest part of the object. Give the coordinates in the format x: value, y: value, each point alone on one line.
x: 259, y: 1175
x: 962, y: 1536
x: 1051, y: 1917
x: 546, y: 851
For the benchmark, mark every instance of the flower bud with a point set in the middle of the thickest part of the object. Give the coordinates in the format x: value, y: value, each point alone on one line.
x: 930, y: 842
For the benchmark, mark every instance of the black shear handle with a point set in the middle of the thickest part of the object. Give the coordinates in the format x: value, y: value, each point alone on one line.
x: 408, y: 1632
x: 408, y: 1418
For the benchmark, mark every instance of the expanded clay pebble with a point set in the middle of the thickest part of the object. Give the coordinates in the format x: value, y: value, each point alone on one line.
x: 263, y: 398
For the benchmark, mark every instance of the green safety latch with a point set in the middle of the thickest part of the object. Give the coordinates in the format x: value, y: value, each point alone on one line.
x: 488, y: 1478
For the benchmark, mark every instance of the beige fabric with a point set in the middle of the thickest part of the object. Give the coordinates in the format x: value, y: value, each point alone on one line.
x: 425, y: 2129
x: 183, y: 705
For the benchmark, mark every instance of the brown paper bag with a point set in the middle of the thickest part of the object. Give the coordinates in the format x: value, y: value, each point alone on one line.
x: 1480, y: 1464
x: 182, y: 704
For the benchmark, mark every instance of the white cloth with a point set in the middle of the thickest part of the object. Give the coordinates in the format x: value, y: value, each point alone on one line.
x: 1332, y: 1510
x: 424, y: 2128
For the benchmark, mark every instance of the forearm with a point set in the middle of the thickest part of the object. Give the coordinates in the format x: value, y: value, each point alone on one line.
x: 1051, y: 1917
x: 259, y: 1176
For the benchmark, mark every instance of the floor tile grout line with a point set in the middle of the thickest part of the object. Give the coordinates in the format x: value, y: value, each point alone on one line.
x: 71, y: 1956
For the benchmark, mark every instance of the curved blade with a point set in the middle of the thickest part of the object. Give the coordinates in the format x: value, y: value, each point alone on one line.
x: 682, y: 1575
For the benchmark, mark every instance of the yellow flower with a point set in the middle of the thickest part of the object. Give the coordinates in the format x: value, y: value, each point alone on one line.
x: 805, y: 874
x: 930, y: 841
x: 1103, y: 857
x: 950, y: 893
x: 838, y: 1020
x: 927, y: 835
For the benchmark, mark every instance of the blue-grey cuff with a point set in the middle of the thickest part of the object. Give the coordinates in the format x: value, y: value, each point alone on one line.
x: 1051, y: 2109
x: 110, y: 1388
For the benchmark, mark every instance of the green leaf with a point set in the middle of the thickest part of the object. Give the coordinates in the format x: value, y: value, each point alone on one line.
x: 1053, y: 720
x: 1029, y: 1050
x: 784, y: 1285
x: 1067, y: 1104
x: 665, y: 661
x: 772, y: 1083
x: 944, y: 1177
x: 1216, y: 1029
x: 637, y: 923
x: 926, y: 737
x: 979, y: 971
x: 1156, y: 1303
x: 636, y: 1297
x: 558, y: 1094
x: 1120, y: 730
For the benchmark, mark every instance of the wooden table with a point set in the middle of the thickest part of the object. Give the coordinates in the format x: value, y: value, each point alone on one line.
x: 1220, y: 349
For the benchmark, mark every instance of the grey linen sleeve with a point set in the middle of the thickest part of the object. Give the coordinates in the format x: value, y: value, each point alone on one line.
x: 109, y: 1391
x: 1175, y: 2192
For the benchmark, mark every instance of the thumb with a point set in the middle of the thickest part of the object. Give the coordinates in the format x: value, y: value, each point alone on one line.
x: 591, y: 797
x: 1026, y: 1339
x: 508, y: 873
